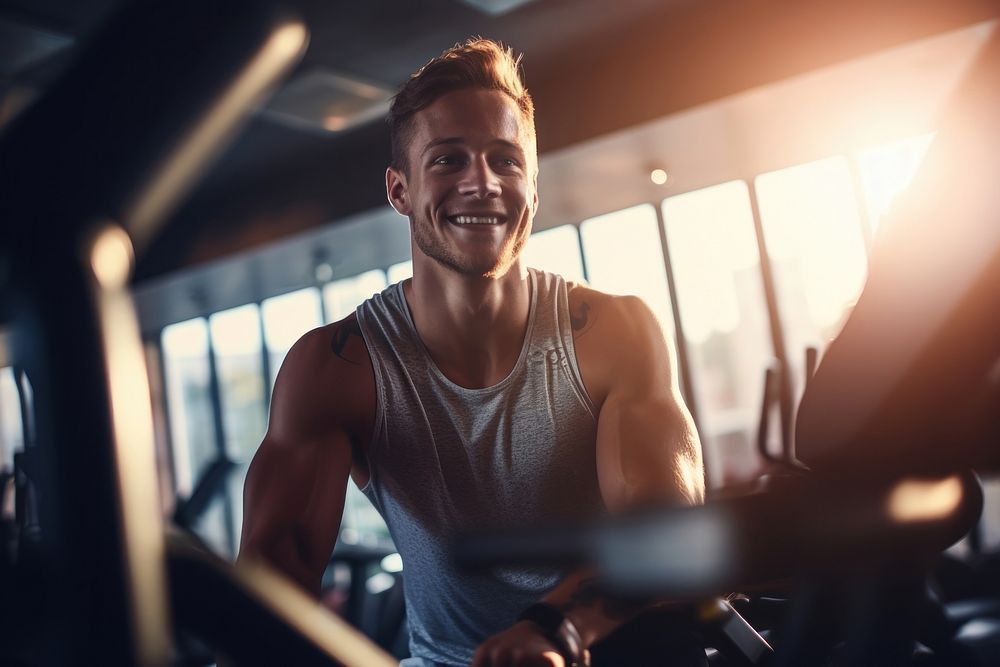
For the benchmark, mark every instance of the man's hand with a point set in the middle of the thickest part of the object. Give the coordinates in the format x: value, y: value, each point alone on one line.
x: 521, y: 645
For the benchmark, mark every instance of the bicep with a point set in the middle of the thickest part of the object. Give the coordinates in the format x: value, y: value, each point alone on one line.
x: 647, y: 446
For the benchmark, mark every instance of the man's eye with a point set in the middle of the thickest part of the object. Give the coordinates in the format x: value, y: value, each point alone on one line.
x: 508, y: 163
x: 446, y: 160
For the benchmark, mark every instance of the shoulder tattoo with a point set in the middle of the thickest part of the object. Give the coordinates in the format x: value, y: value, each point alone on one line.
x: 342, y: 335
x: 580, y: 317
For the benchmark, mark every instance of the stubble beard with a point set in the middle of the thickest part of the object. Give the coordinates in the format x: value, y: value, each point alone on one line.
x: 480, y: 266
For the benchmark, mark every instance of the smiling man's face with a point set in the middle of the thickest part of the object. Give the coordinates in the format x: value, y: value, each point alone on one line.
x: 470, y: 184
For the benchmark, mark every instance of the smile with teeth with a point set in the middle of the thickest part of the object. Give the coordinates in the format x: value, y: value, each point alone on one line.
x: 475, y: 219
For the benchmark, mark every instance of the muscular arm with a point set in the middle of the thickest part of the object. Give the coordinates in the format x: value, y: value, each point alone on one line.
x: 647, y: 446
x: 647, y: 449
x: 295, y: 487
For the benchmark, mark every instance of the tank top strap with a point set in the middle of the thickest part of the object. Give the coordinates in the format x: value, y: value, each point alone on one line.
x: 553, y: 332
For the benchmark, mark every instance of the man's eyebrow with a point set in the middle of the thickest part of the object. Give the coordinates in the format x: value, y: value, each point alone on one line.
x: 509, y: 145
x: 454, y: 141
x: 445, y: 141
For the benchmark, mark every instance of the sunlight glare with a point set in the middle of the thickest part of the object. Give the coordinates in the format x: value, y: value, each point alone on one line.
x: 810, y: 218
x: 624, y: 257
x: 712, y: 245
x: 887, y: 170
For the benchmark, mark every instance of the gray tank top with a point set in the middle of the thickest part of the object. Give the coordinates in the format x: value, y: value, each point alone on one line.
x: 445, y: 459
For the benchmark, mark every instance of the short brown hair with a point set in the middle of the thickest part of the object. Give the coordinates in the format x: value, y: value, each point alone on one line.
x: 475, y: 63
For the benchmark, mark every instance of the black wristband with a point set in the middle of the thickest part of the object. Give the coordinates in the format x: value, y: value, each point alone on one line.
x: 560, y: 631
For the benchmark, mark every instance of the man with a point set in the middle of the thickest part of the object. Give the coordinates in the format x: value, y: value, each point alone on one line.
x: 477, y: 393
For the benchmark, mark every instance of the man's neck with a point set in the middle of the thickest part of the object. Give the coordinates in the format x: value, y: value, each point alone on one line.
x: 472, y: 327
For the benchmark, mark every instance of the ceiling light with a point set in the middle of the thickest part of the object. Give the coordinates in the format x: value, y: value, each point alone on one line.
x: 330, y: 101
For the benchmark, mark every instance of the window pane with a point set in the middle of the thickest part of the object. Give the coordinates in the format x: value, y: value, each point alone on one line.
x: 556, y: 250
x: 238, y: 344
x: 11, y: 432
x: 887, y: 170
x: 185, y: 360
x: 341, y: 297
x: 236, y: 338
x: 810, y: 219
x: 286, y: 318
x: 189, y: 402
x: 713, y: 250
x: 624, y: 257
x: 401, y: 271
x: 361, y: 523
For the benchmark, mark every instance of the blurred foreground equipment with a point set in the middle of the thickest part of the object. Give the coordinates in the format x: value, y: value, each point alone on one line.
x: 89, y: 173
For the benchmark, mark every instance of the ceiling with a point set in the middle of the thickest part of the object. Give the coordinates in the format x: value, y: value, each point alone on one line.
x: 594, y: 67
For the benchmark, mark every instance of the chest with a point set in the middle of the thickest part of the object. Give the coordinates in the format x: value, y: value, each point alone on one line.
x: 524, y: 452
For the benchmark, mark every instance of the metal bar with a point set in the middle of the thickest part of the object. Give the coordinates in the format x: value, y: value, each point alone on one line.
x: 683, y: 357
x: 168, y: 433
x: 583, y: 255
x: 786, y: 386
x: 27, y: 420
x: 767, y: 401
x: 74, y: 469
x: 219, y: 430
x: 324, y: 316
x: 265, y: 360
x: 163, y: 439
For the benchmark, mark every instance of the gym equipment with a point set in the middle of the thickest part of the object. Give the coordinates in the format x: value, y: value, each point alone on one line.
x: 146, y: 104
x: 212, y: 482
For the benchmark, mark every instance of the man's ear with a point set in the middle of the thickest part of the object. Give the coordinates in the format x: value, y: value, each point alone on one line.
x: 396, y: 191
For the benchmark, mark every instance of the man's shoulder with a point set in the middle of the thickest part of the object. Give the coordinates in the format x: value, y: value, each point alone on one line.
x: 608, y: 331
x: 325, y: 382
x: 595, y: 311
x: 330, y: 359
x: 345, y: 340
x: 333, y: 344
x: 582, y: 292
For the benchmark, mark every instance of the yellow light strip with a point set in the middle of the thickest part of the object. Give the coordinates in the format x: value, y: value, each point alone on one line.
x: 187, y: 161
x: 924, y: 500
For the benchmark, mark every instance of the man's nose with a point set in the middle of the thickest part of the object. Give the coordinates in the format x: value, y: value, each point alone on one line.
x: 480, y: 180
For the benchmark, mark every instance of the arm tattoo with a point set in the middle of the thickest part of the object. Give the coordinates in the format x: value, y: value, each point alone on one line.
x: 581, y: 318
x: 588, y: 593
x: 342, y: 335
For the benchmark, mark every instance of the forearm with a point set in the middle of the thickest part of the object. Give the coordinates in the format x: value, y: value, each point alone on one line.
x: 544, y: 635
x: 285, y: 556
x: 291, y: 513
x: 594, y: 613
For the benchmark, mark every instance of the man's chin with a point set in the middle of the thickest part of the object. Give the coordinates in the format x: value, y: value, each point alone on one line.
x: 471, y: 269
x: 492, y: 265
